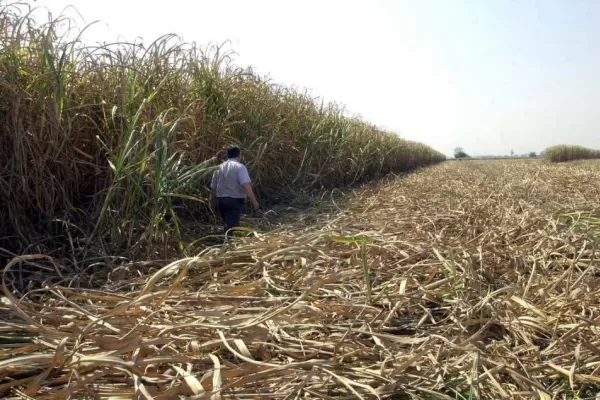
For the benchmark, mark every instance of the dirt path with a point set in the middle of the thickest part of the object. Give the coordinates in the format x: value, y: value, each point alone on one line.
x: 459, y: 280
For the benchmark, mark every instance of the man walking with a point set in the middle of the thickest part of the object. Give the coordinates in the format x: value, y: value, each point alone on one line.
x: 229, y: 187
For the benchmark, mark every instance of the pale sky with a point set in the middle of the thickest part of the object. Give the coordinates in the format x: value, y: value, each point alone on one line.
x: 489, y: 76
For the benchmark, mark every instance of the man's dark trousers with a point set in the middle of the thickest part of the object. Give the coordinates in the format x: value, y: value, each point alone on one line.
x: 230, y: 209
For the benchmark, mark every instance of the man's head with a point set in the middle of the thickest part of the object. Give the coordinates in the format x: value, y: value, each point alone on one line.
x: 233, y: 152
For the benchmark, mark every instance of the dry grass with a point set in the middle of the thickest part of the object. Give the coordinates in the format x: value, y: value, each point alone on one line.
x: 563, y: 153
x: 465, y: 280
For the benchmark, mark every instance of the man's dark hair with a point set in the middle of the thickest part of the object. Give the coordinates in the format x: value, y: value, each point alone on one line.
x: 233, y: 152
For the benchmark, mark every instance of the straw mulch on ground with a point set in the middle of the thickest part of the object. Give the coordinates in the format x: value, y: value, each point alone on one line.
x: 464, y: 280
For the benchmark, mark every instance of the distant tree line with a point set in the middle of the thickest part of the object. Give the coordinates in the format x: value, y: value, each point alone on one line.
x: 459, y: 153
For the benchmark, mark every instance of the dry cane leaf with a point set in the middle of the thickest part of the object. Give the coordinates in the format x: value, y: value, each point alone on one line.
x: 216, y: 383
x: 190, y: 380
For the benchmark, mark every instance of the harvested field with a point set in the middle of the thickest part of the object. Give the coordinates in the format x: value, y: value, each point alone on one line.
x: 464, y: 280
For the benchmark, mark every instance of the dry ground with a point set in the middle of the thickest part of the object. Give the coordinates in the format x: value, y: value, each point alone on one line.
x: 471, y: 279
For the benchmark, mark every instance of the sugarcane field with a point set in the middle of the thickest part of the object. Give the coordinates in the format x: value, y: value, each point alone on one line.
x: 176, y: 225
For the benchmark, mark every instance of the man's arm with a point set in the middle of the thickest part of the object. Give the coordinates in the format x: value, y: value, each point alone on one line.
x: 244, y: 180
x: 213, y: 191
x: 213, y: 199
x: 250, y: 193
